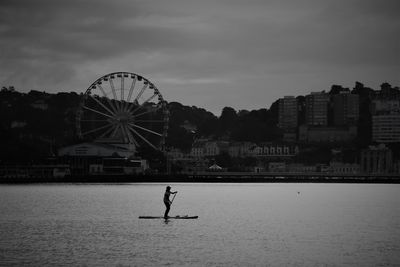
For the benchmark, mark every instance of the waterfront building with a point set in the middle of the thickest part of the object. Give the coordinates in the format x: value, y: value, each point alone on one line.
x: 214, y: 148
x: 317, y: 108
x: 240, y: 149
x: 211, y: 148
x: 207, y: 148
x: 197, y: 150
x: 288, y: 112
x: 376, y: 159
x: 97, y: 150
x: 344, y: 168
x: 99, y: 158
x: 345, y: 108
x: 271, y: 150
x: 301, y: 168
x: 276, y: 166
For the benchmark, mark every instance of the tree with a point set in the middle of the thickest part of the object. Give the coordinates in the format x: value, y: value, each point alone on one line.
x: 227, y: 119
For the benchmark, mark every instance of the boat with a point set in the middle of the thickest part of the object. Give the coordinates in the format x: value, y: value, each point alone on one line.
x: 173, y: 217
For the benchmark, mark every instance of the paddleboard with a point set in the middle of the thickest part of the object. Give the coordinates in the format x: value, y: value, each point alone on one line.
x: 174, y: 217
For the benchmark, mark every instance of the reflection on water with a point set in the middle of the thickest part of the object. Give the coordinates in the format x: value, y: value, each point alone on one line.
x: 238, y: 225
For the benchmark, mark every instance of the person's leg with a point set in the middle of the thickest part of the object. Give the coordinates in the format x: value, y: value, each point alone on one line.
x: 167, y: 207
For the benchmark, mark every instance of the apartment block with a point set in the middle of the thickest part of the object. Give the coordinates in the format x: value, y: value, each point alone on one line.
x: 317, y: 108
x: 345, y: 108
x: 385, y: 120
x: 288, y: 112
x: 386, y: 128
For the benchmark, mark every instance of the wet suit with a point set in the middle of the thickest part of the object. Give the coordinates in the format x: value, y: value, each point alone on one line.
x: 167, y: 202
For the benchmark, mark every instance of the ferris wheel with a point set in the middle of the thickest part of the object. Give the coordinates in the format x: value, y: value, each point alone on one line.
x: 123, y: 108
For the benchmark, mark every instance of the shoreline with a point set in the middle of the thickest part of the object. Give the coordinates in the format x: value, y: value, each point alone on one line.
x: 192, y: 179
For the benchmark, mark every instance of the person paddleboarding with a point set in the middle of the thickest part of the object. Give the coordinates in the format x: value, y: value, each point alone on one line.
x: 168, y: 202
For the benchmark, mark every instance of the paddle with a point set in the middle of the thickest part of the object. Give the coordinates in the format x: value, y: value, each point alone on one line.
x: 173, y: 197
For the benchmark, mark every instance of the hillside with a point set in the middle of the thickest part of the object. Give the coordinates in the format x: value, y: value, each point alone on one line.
x: 35, y: 124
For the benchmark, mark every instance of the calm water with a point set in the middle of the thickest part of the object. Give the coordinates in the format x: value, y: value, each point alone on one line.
x: 238, y: 225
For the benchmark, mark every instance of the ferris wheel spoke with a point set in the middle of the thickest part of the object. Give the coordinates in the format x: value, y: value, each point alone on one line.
x: 131, y: 89
x: 98, y: 112
x: 113, y: 88
x: 114, y: 92
x: 141, y: 137
x: 133, y: 140
x: 144, y: 129
x: 107, y: 132
x: 101, y: 104
x: 97, y: 129
x: 106, y: 97
x: 127, y: 107
x: 93, y: 120
x: 141, y: 92
x: 122, y: 87
x: 144, y: 103
x: 114, y: 133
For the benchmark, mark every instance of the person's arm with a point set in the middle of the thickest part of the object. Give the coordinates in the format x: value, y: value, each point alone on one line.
x: 174, y: 192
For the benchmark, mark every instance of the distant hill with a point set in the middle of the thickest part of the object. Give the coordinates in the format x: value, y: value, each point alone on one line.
x: 34, y: 125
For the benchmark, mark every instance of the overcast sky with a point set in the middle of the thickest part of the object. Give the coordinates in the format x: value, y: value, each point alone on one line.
x: 208, y: 53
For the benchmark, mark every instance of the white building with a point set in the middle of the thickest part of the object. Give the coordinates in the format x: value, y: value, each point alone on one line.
x: 274, y: 150
x: 240, y: 149
x: 344, y: 168
x: 211, y: 148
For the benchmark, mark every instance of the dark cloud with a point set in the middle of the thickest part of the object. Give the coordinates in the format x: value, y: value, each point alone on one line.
x: 208, y: 53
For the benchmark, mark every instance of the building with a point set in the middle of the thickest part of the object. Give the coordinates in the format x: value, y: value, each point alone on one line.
x: 317, y: 108
x: 240, y: 149
x: 385, y: 106
x: 276, y: 166
x: 101, y: 159
x: 288, y: 112
x: 376, y: 160
x: 301, y: 168
x: 315, y: 134
x: 204, y: 148
x: 197, y: 150
x: 344, y: 168
x: 271, y: 150
x: 96, y: 150
x: 385, y: 120
x: 345, y: 108
x: 386, y: 128
x: 211, y: 148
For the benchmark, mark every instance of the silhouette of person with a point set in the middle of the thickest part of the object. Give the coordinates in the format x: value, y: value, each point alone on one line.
x: 168, y: 202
